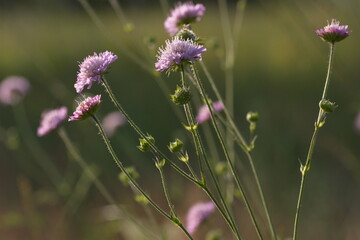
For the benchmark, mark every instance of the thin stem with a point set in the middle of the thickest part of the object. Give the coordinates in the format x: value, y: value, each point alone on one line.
x: 318, y: 124
x: 221, y: 139
x: 132, y: 180
x: 199, y: 145
x: 166, y: 191
x: 98, y: 184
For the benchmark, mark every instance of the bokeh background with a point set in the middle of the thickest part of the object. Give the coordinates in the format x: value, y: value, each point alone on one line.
x: 279, y: 71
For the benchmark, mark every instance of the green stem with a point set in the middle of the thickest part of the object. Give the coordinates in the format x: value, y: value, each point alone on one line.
x: 132, y: 180
x: 166, y: 191
x: 199, y: 145
x: 318, y: 124
x: 221, y: 139
x: 98, y: 184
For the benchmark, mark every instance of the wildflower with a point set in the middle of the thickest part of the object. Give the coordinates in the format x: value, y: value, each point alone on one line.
x: 176, y: 52
x: 51, y: 119
x: 204, y: 114
x: 92, y: 68
x: 13, y: 89
x: 183, y: 13
x: 197, y: 214
x: 86, y: 108
x: 111, y: 122
x: 333, y: 32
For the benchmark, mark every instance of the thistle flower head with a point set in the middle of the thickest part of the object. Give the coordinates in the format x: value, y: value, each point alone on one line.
x: 92, y: 68
x: 51, y: 119
x: 204, y: 114
x: 183, y: 13
x: 176, y: 52
x: 197, y: 214
x: 111, y: 122
x: 13, y: 89
x: 333, y: 32
x: 86, y: 108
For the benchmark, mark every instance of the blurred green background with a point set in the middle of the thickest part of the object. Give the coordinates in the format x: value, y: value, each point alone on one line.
x: 279, y: 71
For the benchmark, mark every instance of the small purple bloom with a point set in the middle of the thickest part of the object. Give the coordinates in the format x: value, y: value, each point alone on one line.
x: 51, y: 119
x: 176, y: 52
x: 86, y: 108
x: 112, y: 121
x: 183, y: 13
x: 204, y: 114
x: 333, y: 32
x: 198, y: 213
x: 92, y: 68
x: 13, y: 89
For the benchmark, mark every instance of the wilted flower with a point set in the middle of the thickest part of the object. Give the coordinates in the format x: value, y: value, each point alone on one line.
x: 86, y: 108
x: 333, y: 32
x: 13, y: 89
x: 176, y: 52
x: 92, y: 68
x: 183, y: 13
x: 51, y: 119
x: 111, y: 122
x: 204, y: 114
x: 198, y: 213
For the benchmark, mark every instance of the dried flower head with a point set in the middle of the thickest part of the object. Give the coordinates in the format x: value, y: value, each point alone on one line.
x: 13, y: 89
x: 197, y: 214
x: 176, y: 52
x: 204, y: 114
x: 183, y: 13
x: 51, y: 119
x: 92, y: 68
x: 111, y: 122
x: 86, y: 108
x: 333, y: 32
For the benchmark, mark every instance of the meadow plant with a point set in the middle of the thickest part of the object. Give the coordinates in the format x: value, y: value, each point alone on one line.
x: 181, y: 56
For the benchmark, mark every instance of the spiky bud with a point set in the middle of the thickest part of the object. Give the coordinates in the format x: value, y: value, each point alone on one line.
x: 144, y: 143
x: 181, y: 96
x: 176, y: 146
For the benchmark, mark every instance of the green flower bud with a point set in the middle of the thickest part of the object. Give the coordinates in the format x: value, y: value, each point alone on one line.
x: 252, y: 117
x: 176, y: 146
x: 141, y: 199
x: 160, y: 164
x: 185, y: 33
x: 184, y: 157
x: 327, y: 106
x: 144, y: 145
x: 181, y: 96
x: 221, y: 168
x: 132, y: 172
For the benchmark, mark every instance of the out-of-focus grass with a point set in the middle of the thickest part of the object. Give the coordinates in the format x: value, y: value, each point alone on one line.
x: 280, y: 72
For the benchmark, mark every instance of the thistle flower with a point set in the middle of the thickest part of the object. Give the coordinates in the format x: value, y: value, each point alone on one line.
x: 183, y: 13
x: 51, y: 119
x: 86, y: 108
x: 13, y: 89
x: 176, y: 52
x: 333, y: 32
x: 92, y: 68
x: 111, y: 122
x: 197, y: 214
x: 204, y: 114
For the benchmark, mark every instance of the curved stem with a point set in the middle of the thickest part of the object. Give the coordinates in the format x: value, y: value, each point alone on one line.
x: 132, y: 180
x: 318, y: 124
x: 221, y: 139
x: 166, y: 191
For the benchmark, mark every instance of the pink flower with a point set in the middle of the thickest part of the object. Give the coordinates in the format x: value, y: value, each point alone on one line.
x: 333, y: 32
x: 112, y: 121
x: 51, y: 119
x: 86, y: 108
x: 13, y: 89
x: 197, y: 214
x: 204, y: 114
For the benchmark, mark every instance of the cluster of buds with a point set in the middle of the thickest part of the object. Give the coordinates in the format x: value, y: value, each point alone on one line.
x: 144, y: 143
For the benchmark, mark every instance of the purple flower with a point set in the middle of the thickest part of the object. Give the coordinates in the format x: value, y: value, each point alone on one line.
x: 198, y: 213
x: 204, y: 114
x: 92, y: 68
x: 86, y: 108
x: 333, y: 32
x: 183, y: 13
x: 51, y: 119
x: 176, y: 52
x: 111, y: 122
x: 13, y: 89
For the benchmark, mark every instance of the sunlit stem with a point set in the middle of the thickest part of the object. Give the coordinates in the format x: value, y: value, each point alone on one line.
x: 318, y: 124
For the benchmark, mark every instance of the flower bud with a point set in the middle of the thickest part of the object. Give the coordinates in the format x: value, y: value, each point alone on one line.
x: 184, y: 157
x: 176, y: 146
x: 144, y: 143
x: 221, y: 168
x: 181, y: 96
x: 327, y: 106
x: 252, y: 117
x: 185, y: 33
x: 160, y: 164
